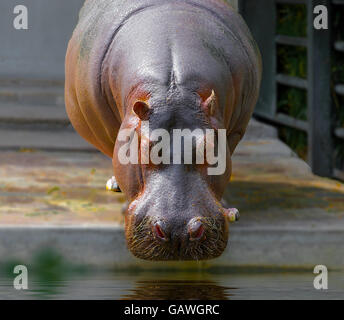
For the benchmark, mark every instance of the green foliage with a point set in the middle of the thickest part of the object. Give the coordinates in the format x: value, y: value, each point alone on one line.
x: 292, y: 20
x: 292, y: 61
x: 293, y: 102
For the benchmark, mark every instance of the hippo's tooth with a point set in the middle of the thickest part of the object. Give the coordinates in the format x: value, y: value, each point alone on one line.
x: 112, y: 185
x: 232, y: 214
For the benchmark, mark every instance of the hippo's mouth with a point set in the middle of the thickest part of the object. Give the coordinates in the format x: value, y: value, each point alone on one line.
x: 144, y: 243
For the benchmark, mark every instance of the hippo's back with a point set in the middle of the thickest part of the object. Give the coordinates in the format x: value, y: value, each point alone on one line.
x: 207, y: 38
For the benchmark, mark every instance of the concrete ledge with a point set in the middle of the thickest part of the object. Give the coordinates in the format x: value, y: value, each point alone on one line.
x: 32, y: 114
x: 12, y: 139
x: 104, y: 246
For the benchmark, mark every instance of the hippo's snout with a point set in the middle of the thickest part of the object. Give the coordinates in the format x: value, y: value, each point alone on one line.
x: 195, y: 229
x: 198, y: 238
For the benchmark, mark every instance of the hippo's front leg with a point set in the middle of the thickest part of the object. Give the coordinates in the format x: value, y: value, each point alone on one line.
x: 112, y: 185
x: 231, y: 214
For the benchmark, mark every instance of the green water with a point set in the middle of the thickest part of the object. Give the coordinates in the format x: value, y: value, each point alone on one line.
x: 51, y: 277
x: 146, y: 285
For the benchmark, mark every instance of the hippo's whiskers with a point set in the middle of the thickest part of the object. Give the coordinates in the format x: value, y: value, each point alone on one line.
x: 216, y: 242
x: 144, y: 245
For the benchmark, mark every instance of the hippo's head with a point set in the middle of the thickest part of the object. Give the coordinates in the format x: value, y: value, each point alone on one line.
x: 174, y: 210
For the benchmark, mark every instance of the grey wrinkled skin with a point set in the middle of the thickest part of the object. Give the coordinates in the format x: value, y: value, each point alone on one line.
x: 170, y: 54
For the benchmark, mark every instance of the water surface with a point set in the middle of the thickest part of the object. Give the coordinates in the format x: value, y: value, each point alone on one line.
x: 176, y: 285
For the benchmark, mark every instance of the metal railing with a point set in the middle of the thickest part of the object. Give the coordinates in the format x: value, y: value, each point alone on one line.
x: 320, y: 123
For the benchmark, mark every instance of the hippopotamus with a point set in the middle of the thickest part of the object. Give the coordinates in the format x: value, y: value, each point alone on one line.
x: 174, y: 64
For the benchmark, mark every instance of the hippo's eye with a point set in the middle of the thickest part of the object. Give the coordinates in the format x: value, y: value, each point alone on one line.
x: 142, y: 110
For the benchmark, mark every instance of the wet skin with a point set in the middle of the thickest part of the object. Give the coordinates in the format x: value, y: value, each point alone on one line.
x: 178, y: 65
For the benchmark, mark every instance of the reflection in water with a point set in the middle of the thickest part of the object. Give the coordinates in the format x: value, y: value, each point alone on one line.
x: 178, y: 289
x: 51, y: 277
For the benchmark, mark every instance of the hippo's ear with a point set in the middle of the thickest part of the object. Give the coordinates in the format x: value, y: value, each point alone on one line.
x: 142, y: 110
x: 209, y: 106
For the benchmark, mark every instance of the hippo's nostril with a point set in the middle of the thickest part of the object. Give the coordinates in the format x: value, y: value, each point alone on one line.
x: 196, y: 229
x: 159, y: 232
x: 199, y: 232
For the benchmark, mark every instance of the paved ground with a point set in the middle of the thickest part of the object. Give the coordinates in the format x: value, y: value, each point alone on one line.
x: 289, y: 216
x: 56, y: 188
